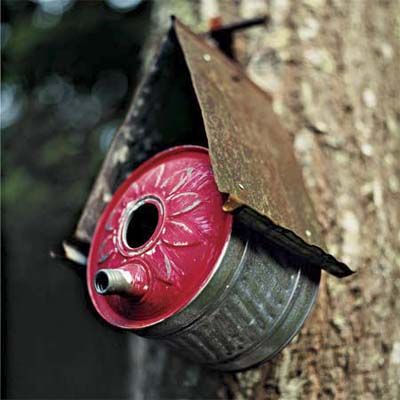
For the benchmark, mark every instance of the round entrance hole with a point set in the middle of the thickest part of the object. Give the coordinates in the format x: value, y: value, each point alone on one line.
x: 141, y: 225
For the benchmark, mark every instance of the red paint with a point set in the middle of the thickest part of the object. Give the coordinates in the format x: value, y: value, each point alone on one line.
x: 183, y: 252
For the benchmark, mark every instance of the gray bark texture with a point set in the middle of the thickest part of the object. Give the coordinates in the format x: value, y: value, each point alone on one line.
x: 333, y: 68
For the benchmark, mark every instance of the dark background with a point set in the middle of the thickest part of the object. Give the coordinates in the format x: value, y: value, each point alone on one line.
x: 68, y: 72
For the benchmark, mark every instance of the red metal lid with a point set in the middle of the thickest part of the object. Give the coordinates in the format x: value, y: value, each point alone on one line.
x: 159, y: 240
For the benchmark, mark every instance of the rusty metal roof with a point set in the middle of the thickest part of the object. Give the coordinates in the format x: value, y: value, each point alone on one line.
x: 251, y: 152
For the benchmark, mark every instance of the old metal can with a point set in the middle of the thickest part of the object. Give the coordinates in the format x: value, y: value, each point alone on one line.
x: 168, y: 263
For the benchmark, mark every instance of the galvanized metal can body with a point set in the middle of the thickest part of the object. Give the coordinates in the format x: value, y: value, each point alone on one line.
x: 168, y: 263
x: 256, y: 302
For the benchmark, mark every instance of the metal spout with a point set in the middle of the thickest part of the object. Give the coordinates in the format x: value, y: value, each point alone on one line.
x: 128, y: 280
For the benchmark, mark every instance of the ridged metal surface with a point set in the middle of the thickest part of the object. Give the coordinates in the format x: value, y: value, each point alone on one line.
x: 253, y: 306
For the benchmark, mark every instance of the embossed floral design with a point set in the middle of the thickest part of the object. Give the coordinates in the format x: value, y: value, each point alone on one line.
x: 183, y: 220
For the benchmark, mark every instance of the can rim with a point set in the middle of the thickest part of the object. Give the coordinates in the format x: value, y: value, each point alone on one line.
x: 106, y: 311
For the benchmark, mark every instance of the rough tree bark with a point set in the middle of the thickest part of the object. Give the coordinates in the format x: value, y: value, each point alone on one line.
x: 333, y: 69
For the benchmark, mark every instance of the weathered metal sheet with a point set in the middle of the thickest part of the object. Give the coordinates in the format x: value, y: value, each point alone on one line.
x: 251, y: 153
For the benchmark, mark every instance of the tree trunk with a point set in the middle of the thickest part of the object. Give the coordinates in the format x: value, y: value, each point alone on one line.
x: 333, y: 70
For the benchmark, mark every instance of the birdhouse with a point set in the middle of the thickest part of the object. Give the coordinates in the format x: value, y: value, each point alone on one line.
x: 202, y: 234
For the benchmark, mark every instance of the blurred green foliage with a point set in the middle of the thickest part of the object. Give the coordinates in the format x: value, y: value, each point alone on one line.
x: 68, y: 72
